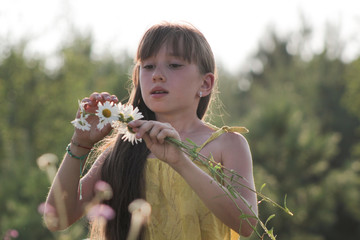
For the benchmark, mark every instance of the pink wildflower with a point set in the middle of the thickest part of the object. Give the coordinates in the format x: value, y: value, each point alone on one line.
x: 100, y: 211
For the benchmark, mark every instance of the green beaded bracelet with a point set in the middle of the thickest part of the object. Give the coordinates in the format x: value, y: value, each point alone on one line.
x: 72, y: 155
x: 81, y: 158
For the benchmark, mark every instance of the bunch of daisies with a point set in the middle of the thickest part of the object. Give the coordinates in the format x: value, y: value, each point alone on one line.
x: 116, y: 114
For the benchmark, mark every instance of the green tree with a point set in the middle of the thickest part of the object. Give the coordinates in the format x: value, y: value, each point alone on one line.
x: 22, y: 183
x: 301, y: 137
x: 351, y: 97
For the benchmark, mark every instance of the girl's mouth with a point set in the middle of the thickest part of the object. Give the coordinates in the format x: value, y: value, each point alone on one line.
x: 158, y: 92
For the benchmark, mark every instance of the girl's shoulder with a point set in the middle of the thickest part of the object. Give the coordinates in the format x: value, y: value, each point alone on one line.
x: 231, y: 138
x: 235, y: 152
x: 228, y: 136
x: 226, y: 141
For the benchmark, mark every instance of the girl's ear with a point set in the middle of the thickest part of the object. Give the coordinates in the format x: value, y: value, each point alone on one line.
x: 207, y: 84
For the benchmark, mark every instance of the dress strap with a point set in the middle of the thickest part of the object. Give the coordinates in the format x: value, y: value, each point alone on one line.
x: 220, y: 131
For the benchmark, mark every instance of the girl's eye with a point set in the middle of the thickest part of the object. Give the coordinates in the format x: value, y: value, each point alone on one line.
x: 174, y: 65
x: 148, y: 66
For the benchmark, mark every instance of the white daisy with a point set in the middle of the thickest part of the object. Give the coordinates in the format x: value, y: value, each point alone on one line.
x: 130, y: 136
x: 132, y: 114
x: 81, y: 124
x: 83, y: 114
x: 123, y: 112
x: 107, y: 113
x: 127, y: 114
x: 120, y: 126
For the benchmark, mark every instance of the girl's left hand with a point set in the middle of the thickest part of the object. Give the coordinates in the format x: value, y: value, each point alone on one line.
x: 154, y: 134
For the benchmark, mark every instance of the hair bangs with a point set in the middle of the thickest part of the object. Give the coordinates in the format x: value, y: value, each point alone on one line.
x: 177, y: 40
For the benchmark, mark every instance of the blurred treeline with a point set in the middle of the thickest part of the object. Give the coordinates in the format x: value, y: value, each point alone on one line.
x: 303, y: 112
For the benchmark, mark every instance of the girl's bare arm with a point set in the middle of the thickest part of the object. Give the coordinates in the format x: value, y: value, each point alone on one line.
x: 63, y: 200
x: 64, y: 194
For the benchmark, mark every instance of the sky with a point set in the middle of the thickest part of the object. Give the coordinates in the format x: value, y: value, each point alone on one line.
x: 233, y: 28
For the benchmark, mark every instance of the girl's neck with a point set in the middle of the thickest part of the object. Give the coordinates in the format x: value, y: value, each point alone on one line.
x: 182, y: 124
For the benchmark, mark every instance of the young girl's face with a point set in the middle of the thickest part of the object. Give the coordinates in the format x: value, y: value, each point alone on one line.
x: 170, y: 84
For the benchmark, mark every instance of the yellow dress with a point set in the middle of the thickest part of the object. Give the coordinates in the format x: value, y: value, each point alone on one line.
x: 177, y: 212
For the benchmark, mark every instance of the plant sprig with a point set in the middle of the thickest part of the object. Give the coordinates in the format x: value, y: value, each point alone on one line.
x: 227, y: 180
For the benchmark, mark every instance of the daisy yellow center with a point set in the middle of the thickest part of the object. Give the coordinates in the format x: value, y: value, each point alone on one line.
x: 130, y: 129
x: 121, y: 117
x: 129, y: 119
x: 106, y: 113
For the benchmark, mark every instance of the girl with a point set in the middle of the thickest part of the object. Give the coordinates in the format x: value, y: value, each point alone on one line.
x: 173, y: 80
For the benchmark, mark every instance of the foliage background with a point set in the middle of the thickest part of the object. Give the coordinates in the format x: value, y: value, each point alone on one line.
x: 303, y: 114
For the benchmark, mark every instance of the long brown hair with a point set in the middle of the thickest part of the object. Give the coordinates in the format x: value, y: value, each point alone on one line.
x: 124, y: 167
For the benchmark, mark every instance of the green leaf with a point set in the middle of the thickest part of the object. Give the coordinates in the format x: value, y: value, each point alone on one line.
x: 191, y: 142
x: 287, y: 210
x: 269, y: 218
x: 262, y: 187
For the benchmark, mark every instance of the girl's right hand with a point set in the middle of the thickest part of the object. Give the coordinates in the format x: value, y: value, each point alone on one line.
x: 89, y: 138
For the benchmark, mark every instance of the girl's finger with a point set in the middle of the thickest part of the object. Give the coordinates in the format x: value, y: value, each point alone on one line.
x: 105, y: 96
x: 137, y: 123
x: 114, y: 99
x: 154, y: 132
x: 95, y: 96
x: 164, y: 133
x: 146, y: 139
x: 86, y: 102
x: 143, y: 127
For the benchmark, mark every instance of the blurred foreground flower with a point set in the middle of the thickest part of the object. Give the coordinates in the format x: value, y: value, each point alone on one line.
x: 49, y: 214
x: 140, y: 214
x: 103, y: 191
x: 10, y: 234
x: 100, y: 211
x: 47, y: 162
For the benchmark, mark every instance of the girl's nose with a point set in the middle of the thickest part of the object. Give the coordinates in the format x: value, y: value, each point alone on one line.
x: 158, y: 75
